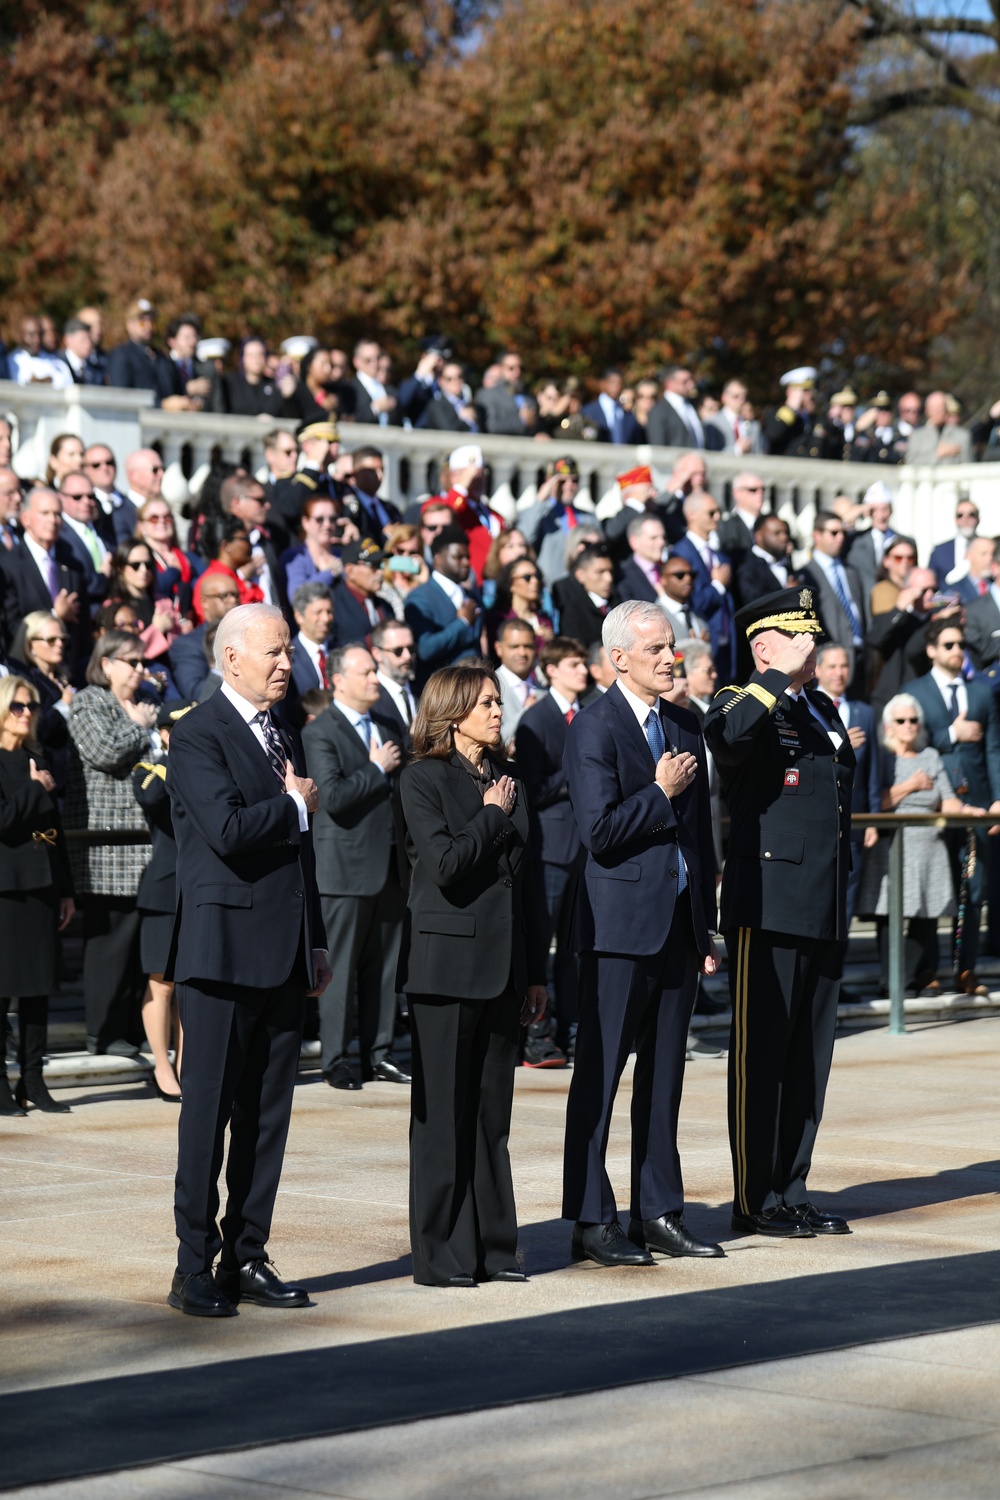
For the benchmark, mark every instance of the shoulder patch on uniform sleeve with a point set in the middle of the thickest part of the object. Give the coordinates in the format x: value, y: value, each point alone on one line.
x: 786, y: 415
x: 301, y: 478
x: 154, y: 771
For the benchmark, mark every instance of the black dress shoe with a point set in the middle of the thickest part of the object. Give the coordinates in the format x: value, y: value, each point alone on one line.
x: 509, y: 1273
x: 819, y: 1222
x: 258, y: 1283
x: 342, y: 1076
x: 33, y: 1091
x: 669, y: 1235
x: 780, y: 1223
x: 444, y: 1281
x: 198, y: 1295
x: 387, y: 1071
x: 608, y: 1244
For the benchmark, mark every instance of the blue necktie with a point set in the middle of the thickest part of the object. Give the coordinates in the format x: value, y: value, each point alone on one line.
x: 658, y: 745
x: 365, y: 727
x: 847, y: 604
x: 953, y: 705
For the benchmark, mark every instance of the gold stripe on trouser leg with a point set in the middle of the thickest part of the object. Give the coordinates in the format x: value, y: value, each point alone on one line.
x: 742, y: 989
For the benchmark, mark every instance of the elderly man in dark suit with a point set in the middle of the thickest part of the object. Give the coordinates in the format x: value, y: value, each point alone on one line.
x: 352, y: 753
x: 963, y: 725
x: 248, y: 946
x: 638, y: 784
x: 42, y: 572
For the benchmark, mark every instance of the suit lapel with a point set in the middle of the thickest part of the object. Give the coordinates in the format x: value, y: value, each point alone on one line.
x: 244, y: 741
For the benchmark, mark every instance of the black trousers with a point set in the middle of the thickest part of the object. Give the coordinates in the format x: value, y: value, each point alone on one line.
x: 462, y: 1214
x: 920, y: 949
x: 363, y: 935
x: 241, y: 1053
x: 113, y: 981
x: 558, y: 884
x: 626, y: 1002
x: 784, y: 993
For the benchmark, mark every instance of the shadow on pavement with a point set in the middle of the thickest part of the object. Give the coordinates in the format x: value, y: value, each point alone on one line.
x: 116, y: 1423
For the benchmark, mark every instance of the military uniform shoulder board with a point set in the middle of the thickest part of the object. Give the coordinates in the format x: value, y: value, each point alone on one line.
x: 786, y: 415
x: 154, y: 769
x: 305, y: 479
x: 751, y: 690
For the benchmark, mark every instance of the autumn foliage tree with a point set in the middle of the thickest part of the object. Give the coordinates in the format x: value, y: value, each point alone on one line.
x: 613, y: 180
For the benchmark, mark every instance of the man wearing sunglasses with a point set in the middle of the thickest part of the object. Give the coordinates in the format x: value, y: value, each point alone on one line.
x: 963, y: 725
x: 119, y: 516
x: 736, y: 529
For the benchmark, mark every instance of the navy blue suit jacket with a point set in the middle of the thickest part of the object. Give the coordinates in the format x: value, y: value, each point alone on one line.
x: 975, y: 766
x: 715, y: 609
x: 304, y: 673
x: 867, y: 778
x: 188, y: 662
x: 631, y: 830
x: 631, y: 431
x: 351, y: 625
x: 246, y: 881
x: 541, y: 743
x: 633, y: 583
x: 441, y: 638
x: 941, y: 561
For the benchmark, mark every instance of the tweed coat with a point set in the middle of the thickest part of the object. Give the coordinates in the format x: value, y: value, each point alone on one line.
x: 105, y: 746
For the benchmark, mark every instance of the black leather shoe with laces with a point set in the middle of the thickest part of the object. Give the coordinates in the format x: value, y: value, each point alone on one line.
x: 608, y: 1245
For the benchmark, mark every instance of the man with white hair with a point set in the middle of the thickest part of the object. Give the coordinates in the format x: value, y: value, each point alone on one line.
x: 248, y: 946
x: 938, y: 441
x: 467, y: 470
x: 144, y: 475
x: 635, y: 769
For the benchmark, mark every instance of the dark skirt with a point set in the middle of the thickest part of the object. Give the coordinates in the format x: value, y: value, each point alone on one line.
x: 29, y: 946
x: 154, y: 940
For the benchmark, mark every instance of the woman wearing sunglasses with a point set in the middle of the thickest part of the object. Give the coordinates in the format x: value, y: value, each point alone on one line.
x: 132, y: 581
x: 913, y: 780
x: 519, y: 597
x: 36, y: 898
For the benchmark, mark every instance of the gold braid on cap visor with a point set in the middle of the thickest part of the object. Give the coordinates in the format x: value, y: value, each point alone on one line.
x: 795, y: 622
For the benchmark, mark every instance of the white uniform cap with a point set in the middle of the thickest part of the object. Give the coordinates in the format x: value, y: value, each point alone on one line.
x: 878, y: 493
x: 465, y: 456
x: 299, y: 345
x: 800, y: 375
x: 213, y: 348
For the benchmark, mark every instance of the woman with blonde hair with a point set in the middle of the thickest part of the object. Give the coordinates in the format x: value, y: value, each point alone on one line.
x: 36, y: 899
x: 404, y: 568
x: 913, y: 780
x: 473, y: 969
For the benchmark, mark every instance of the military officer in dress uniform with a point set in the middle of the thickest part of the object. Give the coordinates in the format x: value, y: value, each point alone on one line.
x: 787, y: 769
x: 878, y: 441
x: 793, y: 430
x: 318, y: 441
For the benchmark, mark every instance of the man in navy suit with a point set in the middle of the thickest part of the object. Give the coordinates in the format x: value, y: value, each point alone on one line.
x: 710, y: 596
x: 963, y: 725
x: 42, y: 573
x: 947, y: 556
x: 640, y: 576
x: 638, y: 784
x: 248, y: 945
x: 356, y: 607
x: 312, y: 604
x: 833, y: 672
x: 442, y: 613
x: 614, y: 424
x: 79, y: 531
x: 555, y: 838
x: 186, y: 656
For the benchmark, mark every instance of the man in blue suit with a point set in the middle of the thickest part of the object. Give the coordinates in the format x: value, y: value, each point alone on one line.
x: 442, y: 613
x: 248, y: 945
x: 710, y: 596
x: 963, y: 725
x: 313, y: 607
x: 833, y: 672
x: 186, y: 656
x: 946, y: 556
x: 638, y: 784
x: 614, y: 424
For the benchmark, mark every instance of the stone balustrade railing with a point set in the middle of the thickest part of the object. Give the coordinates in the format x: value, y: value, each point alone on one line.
x: 924, y: 496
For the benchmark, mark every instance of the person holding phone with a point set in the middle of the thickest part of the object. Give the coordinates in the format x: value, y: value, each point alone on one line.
x: 316, y: 558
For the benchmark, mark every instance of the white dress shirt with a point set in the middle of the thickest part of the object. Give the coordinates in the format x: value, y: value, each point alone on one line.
x: 402, y: 697
x: 519, y: 688
x: 45, y: 563
x: 708, y: 557
x: 689, y: 416
x: 248, y: 714
x: 779, y: 569
x: 49, y: 368
x: 88, y: 536
x: 454, y: 590
x: 944, y: 684
x: 376, y: 391
x: 359, y: 722
x: 563, y: 704
x: 302, y: 642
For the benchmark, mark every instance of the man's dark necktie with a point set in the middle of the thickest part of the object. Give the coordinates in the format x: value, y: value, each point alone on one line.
x: 273, y: 746
x: 953, y: 704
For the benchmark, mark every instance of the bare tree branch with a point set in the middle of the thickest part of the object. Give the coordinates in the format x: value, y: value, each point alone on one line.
x: 933, y: 96
x: 915, y: 25
x: 891, y: 22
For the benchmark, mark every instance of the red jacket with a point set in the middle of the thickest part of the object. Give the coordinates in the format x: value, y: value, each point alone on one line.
x: 469, y: 517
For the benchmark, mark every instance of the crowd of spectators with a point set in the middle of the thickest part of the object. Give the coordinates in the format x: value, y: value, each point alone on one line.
x: 108, y: 619
x: 305, y: 381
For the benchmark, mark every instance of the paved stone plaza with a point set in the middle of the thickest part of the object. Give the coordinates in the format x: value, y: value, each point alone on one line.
x: 845, y: 1367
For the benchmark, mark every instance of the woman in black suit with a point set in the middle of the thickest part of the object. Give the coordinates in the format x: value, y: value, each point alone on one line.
x: 473, y: 969
x: 35, y: 899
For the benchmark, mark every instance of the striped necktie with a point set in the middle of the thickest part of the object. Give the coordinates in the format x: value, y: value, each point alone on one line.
x: 273, y: 746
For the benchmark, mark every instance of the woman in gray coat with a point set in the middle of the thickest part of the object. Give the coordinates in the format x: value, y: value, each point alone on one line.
x: 110, y: 730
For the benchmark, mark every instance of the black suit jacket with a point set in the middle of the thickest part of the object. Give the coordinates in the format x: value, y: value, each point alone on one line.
x: 633, y: 584
x: 386, y: 709
x: 752, y: 580
x: 665, y: 428
x: 246, y: 882
x: 26, y: 808
x: 441, y: 416
x: 735, y: 536
x: 357, y: 819
x: 579, y: 616
x: 541, y: 744
x: 158, y: 886
x: 25, y: 589
x: 982, y: 630
x: 973, y: 767
x: 188, y: 663
x: 472, y: 927
x: 356, y: 404
x: 350, y: 619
